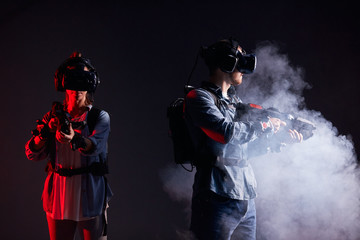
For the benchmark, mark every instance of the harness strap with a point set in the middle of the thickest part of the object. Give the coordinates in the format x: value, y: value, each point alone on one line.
x: 96, y: 169
x: 104, y: 215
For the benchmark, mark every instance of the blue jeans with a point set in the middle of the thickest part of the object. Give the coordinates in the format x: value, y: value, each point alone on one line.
x: 219, y: 218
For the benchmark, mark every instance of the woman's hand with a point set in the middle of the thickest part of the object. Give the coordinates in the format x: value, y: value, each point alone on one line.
x: 53, y: 124
x: 65, y: 138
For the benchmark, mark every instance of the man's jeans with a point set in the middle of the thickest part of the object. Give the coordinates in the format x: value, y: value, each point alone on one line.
x: 219, y: 218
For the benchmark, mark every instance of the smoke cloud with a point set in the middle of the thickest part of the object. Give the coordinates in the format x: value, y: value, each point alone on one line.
x: 309, y: 190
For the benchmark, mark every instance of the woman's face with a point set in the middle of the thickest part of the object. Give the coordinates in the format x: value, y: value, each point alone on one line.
x: 76, y: 96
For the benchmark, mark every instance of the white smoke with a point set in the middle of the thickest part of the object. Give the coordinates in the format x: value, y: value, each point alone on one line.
x: 178, y: 184
x: 308, y: 191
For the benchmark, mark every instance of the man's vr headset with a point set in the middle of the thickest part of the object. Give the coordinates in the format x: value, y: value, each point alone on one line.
x: 225, y: 55
x: 72, y: 75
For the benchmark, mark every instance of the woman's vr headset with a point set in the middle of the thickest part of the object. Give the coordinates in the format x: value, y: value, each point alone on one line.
x: 225, y: 55
x: 72, y: 75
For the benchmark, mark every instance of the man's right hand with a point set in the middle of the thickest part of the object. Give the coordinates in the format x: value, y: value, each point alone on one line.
x: 292, y: 136
x: 277, y: 123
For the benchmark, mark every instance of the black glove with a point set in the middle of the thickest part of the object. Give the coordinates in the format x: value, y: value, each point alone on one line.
x: 77, y: 142
x: 250, y: 113
x: 42, y: 130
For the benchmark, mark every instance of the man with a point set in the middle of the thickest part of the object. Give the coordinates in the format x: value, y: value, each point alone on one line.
x: 225, y: 187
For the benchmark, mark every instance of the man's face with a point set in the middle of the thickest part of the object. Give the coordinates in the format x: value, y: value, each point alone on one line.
x: 236, y: 76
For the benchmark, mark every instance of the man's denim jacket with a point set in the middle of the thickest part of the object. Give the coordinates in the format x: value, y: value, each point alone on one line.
x: 223, y: 145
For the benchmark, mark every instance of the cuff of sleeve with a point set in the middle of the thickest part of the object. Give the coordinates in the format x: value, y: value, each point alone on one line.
x: 264, y: 127
x: 31, y: 148
x: 92, y: 150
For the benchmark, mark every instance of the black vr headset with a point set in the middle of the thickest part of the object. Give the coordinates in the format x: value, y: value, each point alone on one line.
x: 225, y: 55
x: 72, y: 76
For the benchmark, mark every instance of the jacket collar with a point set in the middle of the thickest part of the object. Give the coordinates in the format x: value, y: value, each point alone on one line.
x: 217, y: 90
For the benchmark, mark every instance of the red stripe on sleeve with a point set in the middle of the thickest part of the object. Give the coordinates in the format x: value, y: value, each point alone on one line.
x: 214, y: 135
x: 191, y: 94
x: 255, y: 106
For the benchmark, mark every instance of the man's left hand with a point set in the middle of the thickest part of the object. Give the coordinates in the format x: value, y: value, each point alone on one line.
x: 296, y: 137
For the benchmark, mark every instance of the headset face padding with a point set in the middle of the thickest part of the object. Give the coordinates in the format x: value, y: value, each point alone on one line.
x: 72, y: 76
x: 227, y: 56
x: 228, y: 63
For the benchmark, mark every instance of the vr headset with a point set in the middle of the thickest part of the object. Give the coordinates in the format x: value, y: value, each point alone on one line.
x: 71, y: 75
x: 225, y: 55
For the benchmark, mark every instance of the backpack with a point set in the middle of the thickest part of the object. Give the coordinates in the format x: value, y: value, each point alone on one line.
x: 184, y: 150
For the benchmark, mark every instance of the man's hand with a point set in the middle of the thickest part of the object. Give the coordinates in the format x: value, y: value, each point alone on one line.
x: 295, y: 136
x: 65, y: 138
x: 277, y: 123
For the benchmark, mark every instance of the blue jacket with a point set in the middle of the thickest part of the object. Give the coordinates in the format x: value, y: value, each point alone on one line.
x: 223, y: 145
x: 92, y: 187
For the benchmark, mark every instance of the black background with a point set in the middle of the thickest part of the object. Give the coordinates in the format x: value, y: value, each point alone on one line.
x: 144, y: 52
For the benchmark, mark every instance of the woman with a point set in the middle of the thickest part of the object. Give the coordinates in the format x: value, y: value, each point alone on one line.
x: 76, y: 192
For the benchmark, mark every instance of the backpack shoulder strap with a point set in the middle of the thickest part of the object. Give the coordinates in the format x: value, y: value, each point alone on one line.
x: 216, y: 99
x: 92, y: 118
x: 218, y: 102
